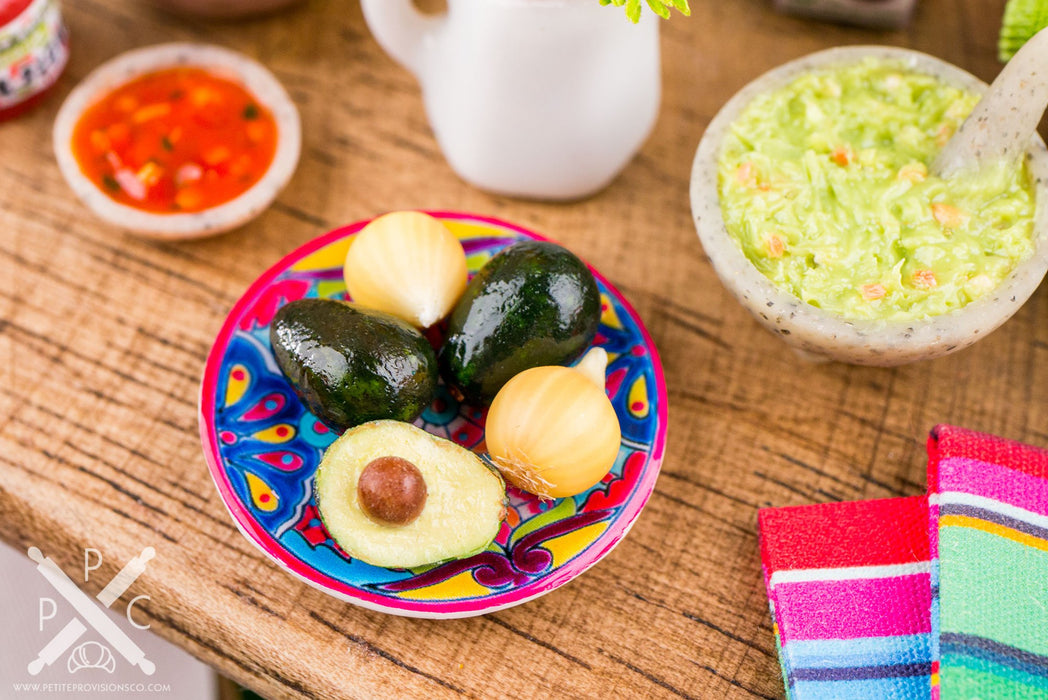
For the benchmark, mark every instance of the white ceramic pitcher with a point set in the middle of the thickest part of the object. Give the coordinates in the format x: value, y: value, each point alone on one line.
x: 547, y: 99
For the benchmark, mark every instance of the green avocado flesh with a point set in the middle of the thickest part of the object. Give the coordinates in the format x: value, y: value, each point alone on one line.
x: 464, y: 507
x: 350, y: 365
x: 824, y: 184
x: 533, y: 304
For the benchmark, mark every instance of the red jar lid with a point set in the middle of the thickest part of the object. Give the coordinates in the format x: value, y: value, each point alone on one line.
x: 9, y: 9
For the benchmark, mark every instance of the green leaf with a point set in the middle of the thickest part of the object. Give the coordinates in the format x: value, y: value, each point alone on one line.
x: 658, y: 8
x: 633, y: 10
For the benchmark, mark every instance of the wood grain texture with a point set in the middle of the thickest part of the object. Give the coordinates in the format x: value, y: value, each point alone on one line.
x: 103, y: 338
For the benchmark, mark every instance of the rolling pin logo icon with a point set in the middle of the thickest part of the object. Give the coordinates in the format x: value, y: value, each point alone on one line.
x: 90, y: 612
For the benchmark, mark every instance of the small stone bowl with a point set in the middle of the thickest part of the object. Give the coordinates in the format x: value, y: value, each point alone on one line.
x: 813, y: 332
x: 231, y: 65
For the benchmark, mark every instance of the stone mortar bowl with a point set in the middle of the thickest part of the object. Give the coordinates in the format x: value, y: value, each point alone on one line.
x: 820, y: 335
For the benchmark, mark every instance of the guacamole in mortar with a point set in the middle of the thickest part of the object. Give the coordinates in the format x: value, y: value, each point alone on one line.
x: 824, y: 184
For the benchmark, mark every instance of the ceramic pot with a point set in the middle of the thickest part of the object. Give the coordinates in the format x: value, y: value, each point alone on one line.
x: 545, y: 99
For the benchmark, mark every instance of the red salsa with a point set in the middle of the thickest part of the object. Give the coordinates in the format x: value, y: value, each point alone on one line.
x: 177, y: 140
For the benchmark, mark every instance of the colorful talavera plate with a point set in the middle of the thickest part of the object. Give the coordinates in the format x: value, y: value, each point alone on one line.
x: 263, y: 446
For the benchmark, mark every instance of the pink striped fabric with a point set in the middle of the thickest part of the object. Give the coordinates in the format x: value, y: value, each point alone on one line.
x: 874, y: 602
x: 1001, y: 483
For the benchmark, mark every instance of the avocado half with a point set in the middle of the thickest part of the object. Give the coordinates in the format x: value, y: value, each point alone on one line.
x: 465, y: 500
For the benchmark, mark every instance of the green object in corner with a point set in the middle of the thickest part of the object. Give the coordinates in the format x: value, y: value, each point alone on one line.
x: 1022, y: 19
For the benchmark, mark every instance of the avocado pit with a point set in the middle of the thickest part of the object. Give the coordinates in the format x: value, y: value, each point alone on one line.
x: 391, y: 491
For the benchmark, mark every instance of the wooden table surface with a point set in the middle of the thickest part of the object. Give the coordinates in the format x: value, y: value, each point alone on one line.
x: 104, y: 337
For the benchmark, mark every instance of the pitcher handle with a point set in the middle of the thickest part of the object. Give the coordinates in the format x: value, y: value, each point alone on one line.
x: 401, y: 30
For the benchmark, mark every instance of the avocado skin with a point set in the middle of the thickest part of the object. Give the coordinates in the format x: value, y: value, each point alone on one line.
x: 533, y: 304
x: 350, y: 365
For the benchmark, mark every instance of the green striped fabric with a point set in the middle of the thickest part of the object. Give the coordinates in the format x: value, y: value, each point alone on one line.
x: 989, y: 503
x: 1003, y: 654
x: 970, y: 678
x: 1012, y: 575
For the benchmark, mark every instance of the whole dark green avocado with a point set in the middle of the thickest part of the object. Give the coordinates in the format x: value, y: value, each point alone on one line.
x: 533, y: 304
x: 350, y: 365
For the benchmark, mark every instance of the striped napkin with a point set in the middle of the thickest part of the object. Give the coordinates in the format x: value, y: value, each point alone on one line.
x: 989, y: 528
x: 850, y: 592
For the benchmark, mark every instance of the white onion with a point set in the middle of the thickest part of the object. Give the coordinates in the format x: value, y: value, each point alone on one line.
x: 552, y: 431
x: 407, y: 264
